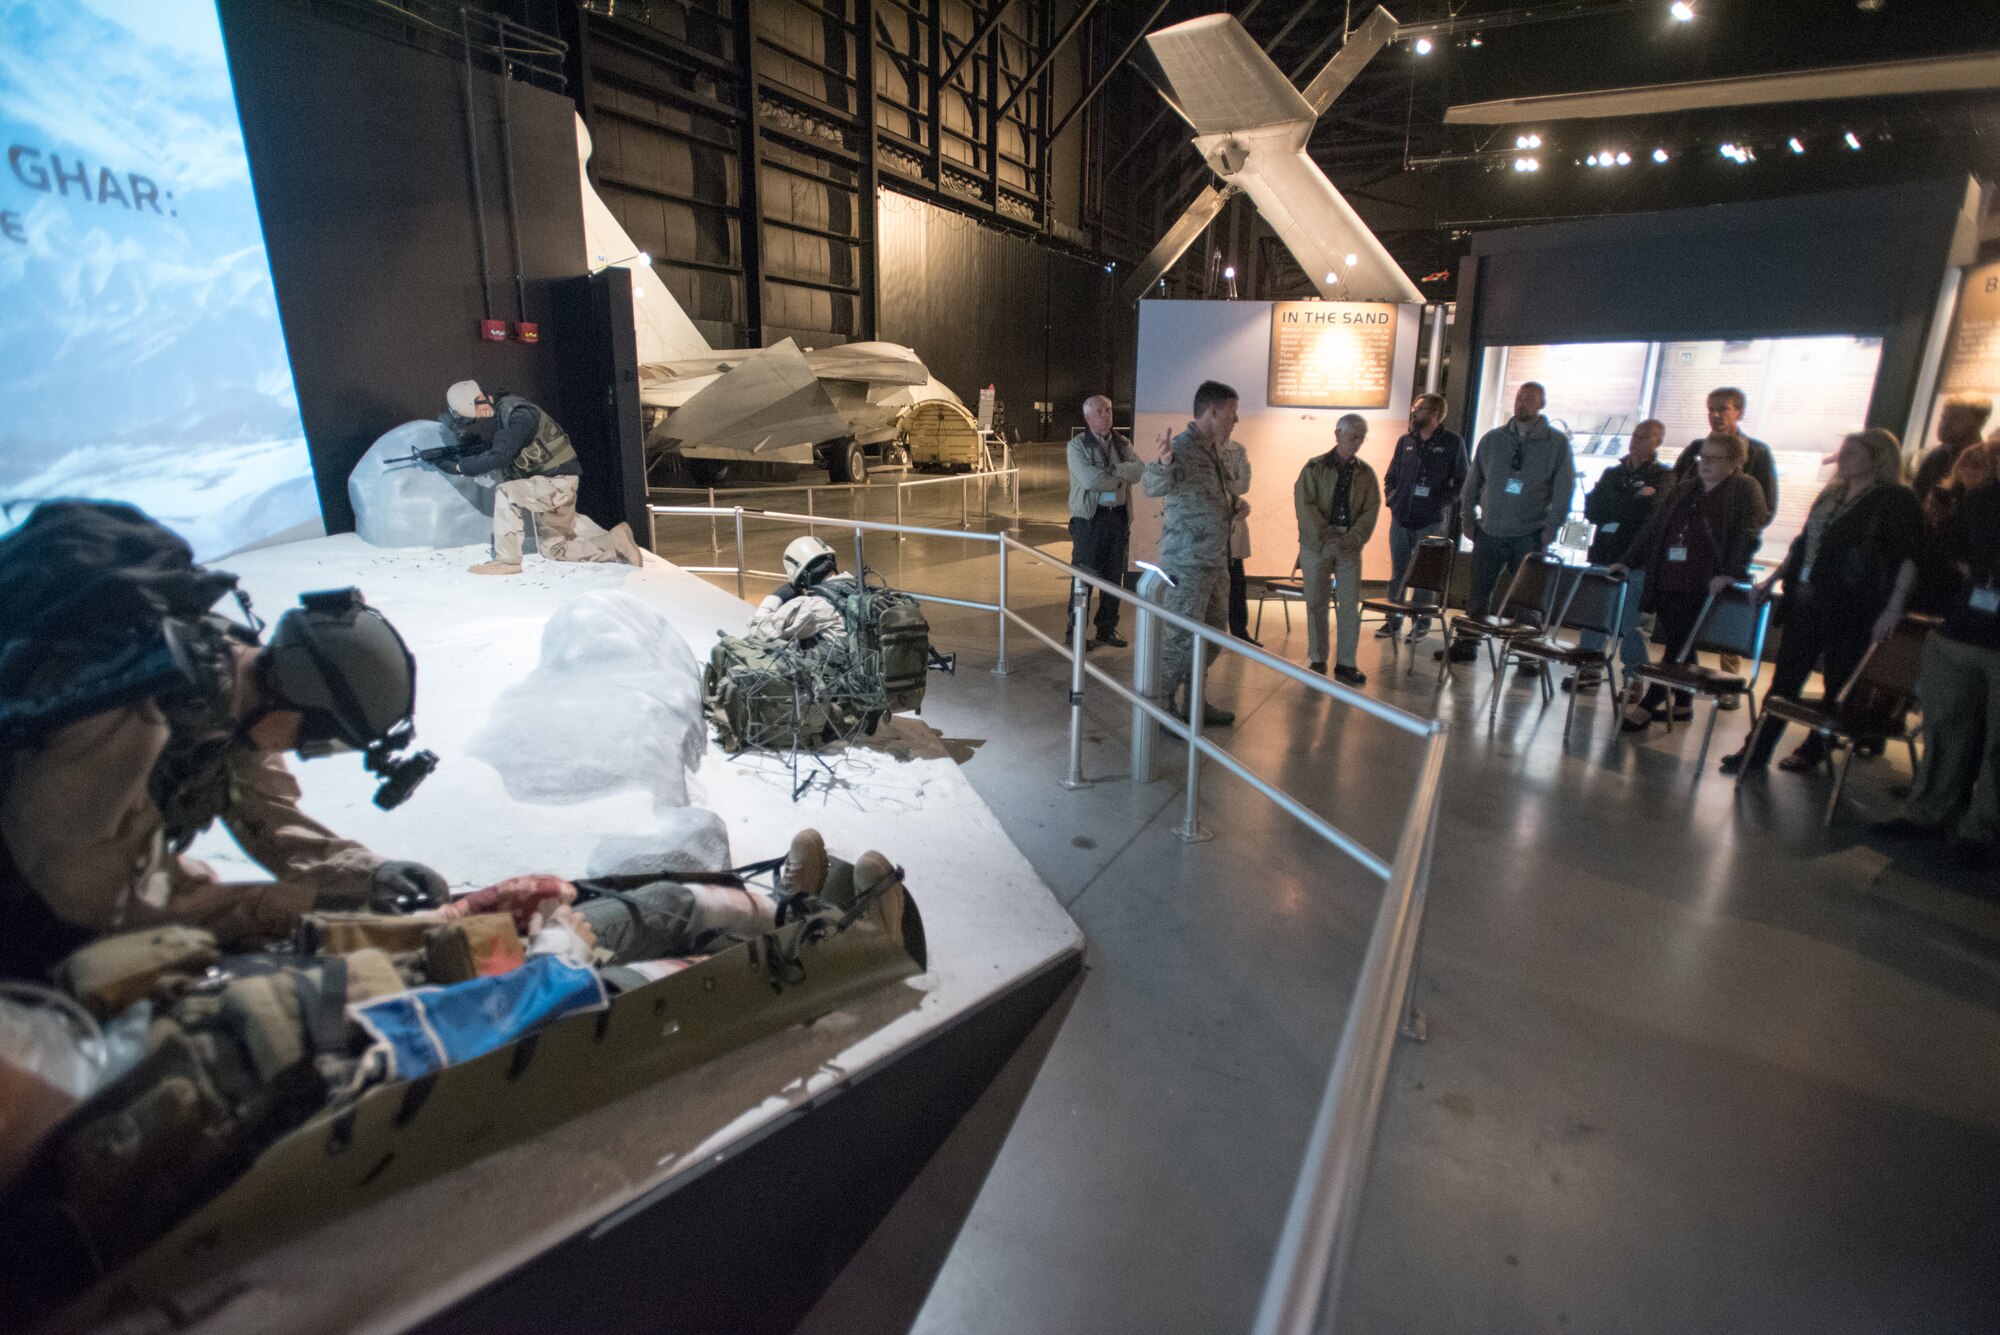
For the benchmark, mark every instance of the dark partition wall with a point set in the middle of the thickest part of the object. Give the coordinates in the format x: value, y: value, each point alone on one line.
x: 984, y: 306
x: 358, y: 150
x: 1866, y: 262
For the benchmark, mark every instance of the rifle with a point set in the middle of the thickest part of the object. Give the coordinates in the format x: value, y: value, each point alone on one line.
x: 464, y: 449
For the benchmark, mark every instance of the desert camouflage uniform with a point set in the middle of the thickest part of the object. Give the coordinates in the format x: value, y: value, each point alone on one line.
x: 1194, y: 544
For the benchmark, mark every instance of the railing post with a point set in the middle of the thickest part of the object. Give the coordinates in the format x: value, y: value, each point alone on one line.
x: 741, y: 559
x: 1190, y: 830
x: 714, y: 537
x: 965, y: 501
x: 809, y: 509
x: 1145, y: 671
x: 899, y: 507
x: 860, y: 554
x: 1000, y: 665
x: 1079, y: 599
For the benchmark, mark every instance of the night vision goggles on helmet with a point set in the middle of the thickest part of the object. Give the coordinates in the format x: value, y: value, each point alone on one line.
x: 343, y: 667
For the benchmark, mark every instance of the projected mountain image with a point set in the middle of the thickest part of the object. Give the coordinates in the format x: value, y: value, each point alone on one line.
x: 141, y: 356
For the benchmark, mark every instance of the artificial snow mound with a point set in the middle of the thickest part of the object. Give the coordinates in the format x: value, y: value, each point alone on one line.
x: 415, y: 504
x: 614, y: 704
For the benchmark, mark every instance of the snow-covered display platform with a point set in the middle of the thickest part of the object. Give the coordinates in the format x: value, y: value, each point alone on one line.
x: 990, y: 921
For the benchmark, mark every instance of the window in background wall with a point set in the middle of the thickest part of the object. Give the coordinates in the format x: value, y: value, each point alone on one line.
x: 1804, y: 394
x: 141, y: 358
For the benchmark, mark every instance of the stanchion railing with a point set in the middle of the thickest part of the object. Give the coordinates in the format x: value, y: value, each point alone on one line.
x: 1010, y: 478
x: 1302, y: 1289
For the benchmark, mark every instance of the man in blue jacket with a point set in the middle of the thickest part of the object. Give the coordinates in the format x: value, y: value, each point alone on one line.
x: 1422, y: 486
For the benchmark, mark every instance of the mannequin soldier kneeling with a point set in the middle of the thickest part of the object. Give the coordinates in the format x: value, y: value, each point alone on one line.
x: 539, y: 475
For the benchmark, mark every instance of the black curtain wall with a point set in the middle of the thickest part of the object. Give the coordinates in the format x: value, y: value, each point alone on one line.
x: 358, y: 151
x: 985, y: 306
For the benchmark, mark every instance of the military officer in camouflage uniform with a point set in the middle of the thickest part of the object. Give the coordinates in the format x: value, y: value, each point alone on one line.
x: 1192, y: 475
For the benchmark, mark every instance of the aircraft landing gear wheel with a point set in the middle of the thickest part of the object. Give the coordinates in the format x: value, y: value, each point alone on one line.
x: 708, y: 472
x: 846, y: 462
x: 896, y: 456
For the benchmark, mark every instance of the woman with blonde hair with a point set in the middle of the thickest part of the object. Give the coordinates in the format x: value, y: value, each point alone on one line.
x: 1974, y: 468
x: 1840, y: 576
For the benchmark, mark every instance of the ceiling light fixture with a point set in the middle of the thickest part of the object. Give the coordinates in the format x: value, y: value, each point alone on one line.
x: 1624, y: 158
x: 1852, y: 142
x: 1796, y: 145
x: 1659, y: 155
x: 1477, y: 41
x: 1682, y: 10
x: 1424, y: 46
x: 1590, y: 161
x: 1527, y: 164
x: 1527, y: 141
x: 1353, y: 260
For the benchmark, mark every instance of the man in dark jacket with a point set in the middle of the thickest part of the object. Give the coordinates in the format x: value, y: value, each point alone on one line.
x: 1421, y: 486
x: 1725, y: 411
x: 539, y: 475
x: 1619, y: 506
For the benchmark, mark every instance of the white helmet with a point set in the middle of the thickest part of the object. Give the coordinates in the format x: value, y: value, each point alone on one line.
x: 808, y: 561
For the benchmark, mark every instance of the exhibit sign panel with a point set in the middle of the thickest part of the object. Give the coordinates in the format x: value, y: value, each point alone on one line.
x: 141, y: 358
x: 1182, y: 343
x: 1331, y: 354
x: 1972, y: 357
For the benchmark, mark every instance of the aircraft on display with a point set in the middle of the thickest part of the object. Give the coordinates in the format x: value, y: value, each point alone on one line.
x: 1251, y: 126
x: 784, y: 405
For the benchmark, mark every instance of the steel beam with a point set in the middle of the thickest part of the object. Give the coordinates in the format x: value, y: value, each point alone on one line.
x: 1109, y: 70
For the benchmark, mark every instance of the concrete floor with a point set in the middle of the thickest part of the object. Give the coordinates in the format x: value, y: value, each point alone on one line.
x: 1696, y: 1063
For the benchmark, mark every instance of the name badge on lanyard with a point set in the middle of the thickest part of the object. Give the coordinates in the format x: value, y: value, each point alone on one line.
x: 1985, y: 599
x: 1513, y: 486
x: 1677, y: 553
x: 1420, y: 490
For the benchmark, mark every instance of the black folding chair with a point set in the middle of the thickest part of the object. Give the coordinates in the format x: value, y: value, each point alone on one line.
x: 1733, y: 621
x: 1287, y: 591
x: 1596, y: 602
x: 1873, y: 706
x: 1425, y: 587
x: 1524, y: 612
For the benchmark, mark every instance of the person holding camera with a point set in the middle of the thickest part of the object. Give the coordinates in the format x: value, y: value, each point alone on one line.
x: 539, y: 476
x: 134, y: 732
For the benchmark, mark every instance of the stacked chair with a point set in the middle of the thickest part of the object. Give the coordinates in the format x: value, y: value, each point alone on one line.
x: 1734, y: 620
x: 1595, y: 602
x: 1425, y: 587
x: 1524, y: 613
x: 1873, y: 707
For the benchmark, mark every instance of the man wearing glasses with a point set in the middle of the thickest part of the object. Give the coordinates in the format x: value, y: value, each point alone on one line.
x: 539, y: 475
x: 1516, y: 497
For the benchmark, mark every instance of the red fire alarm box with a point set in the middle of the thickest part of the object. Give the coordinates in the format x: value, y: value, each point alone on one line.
x: 493, y: 331
x: 527, y: 331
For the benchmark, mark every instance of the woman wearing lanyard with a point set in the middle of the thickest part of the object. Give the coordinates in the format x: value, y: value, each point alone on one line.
x: 1957, y: 792
x: 1838, y: 576
x: 1699, y: 539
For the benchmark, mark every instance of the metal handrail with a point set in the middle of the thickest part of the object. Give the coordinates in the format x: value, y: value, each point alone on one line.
x: 1323, y: 1216
x: 1010, y: 476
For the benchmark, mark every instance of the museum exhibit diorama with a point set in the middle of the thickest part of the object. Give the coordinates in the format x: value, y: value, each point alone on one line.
x: 473, y: 850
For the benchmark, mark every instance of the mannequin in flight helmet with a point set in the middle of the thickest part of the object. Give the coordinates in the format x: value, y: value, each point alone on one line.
x: 804, y: 607
x: 96, y: 815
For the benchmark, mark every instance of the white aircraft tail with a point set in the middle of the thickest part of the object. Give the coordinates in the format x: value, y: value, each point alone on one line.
x: 665, y: 334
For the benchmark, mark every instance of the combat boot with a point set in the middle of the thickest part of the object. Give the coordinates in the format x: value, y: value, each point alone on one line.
x: 622, y: 542
x: 804, y: 871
